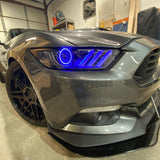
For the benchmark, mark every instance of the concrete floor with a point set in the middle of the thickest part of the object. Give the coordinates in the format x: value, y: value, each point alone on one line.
x: 22, y: 141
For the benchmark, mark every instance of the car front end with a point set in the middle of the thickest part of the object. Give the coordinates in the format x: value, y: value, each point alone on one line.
x: 97, y: 93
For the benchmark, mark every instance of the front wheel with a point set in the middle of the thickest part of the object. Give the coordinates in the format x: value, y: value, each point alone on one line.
x: 2, y: 79
x: 23, y: 96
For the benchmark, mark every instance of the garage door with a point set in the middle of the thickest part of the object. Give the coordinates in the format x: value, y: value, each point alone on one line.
x: 18, y: 16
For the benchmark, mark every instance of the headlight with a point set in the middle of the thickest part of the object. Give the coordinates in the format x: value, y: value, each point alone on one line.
x: 75, y: 58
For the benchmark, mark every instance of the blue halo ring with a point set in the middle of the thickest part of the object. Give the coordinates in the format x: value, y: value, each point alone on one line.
x: 60, y: 56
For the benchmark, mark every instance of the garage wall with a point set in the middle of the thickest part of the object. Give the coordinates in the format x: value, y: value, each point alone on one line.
x: 36, y: 19
x: 18, y: 16
x: 122, y: 7
x: 119, y: 9
x: 13, y: 15
x: 144, y: 4
x: 39, y: 5
x: 105, y: 10
x: 2, y: 33
x: 72, y: 9
x: 113, y: 9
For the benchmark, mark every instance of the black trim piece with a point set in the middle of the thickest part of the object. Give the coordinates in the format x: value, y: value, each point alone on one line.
x: 147, y: 140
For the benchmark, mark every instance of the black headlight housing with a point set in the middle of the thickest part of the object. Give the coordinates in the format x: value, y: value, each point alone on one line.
x: 73, y: 58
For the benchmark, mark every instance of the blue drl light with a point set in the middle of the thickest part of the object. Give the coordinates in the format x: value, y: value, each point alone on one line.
x: 86, y: 58
x: 105, y: 57
x: 65, y: 56
x: 95, y: 58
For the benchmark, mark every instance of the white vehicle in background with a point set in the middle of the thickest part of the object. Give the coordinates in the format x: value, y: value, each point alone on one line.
x: 3, y: 50
x: 3, y: 56
x: 3, y: 63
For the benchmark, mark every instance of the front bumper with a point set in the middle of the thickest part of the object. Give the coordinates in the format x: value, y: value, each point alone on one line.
x: 149, y: 139
x: 63, y: 94
x: 144, y: 116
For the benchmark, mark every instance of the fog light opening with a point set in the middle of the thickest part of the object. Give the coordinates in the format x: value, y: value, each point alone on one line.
x: 96, y: 118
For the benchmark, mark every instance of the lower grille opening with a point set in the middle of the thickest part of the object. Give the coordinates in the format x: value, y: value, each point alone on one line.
x: 149, y: 65
x: 147, y: 73
x: 96, y: 119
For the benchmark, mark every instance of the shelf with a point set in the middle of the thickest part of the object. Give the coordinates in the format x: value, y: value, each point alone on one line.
x: 63, y: 24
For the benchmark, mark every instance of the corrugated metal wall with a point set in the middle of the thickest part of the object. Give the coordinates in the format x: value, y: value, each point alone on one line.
x: 18, y: 16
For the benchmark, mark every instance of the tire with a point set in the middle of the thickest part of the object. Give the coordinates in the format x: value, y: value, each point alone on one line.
x: 2, y: 79
x: 23, y: 96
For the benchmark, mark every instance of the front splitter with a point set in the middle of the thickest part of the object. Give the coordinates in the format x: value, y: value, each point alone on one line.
x: 147, y: 140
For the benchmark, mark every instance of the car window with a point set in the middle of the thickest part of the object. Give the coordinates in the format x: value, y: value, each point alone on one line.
x: 13, y: 33
x: 16, y: 32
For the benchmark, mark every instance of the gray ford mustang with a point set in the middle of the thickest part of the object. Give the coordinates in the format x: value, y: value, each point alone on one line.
x: 96, y: 90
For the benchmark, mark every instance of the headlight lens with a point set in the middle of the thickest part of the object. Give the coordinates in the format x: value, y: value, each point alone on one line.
x: 75, y: 58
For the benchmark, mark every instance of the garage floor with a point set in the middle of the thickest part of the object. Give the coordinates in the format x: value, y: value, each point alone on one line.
x: 22, y: 141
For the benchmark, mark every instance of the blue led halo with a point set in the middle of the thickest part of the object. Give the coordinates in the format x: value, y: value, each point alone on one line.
x: 65, y: 56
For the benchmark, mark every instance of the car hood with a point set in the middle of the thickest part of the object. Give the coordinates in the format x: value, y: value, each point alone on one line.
x: 95, y: 38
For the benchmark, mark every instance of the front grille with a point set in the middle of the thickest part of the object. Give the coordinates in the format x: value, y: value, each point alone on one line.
x: 149, y: 65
